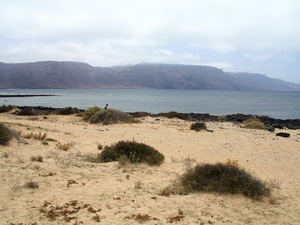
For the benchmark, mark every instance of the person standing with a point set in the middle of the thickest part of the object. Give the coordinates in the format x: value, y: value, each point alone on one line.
x: 106, y: 106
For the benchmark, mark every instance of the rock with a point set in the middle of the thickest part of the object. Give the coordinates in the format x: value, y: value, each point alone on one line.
x: 283, y: 134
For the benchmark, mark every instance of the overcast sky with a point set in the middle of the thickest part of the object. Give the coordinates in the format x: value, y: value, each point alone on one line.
x: 261, y: 36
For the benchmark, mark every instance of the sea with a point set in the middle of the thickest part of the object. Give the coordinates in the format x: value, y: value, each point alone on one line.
x: 279, y: 105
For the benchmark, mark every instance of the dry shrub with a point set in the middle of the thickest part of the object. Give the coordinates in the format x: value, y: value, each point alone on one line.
x: 106, y: 116
x: 111, y: 116
x: 222, y: 178
x: 36, y: 158
x: 6, y: 108
x: 141, y: 218
x: 198, y: 126
x: 253, y: 123
x: 174, y: 114
x: 67, y: 111
x: 64, y: 147
x: 39, y: 136
x: 27, y: 111
x: 5, y: 135
x: 133, y: 151
x: 232, y: 162
x: 31, y: 185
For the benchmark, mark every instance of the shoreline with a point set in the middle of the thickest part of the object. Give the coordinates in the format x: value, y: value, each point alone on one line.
x: 24, y: 96
x: 272, y: 123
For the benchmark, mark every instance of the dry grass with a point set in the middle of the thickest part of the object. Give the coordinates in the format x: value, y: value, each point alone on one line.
x: 254, y: 123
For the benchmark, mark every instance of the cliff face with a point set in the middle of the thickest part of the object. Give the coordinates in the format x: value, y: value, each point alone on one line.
x: 51, y: 74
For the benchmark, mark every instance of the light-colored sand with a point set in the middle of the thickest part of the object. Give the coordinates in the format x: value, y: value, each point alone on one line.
x: 83, y: 192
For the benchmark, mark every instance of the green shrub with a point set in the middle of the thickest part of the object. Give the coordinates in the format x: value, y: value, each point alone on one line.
x: 6, y: 108
x: 88, y: 113
x: 5, y: 134
x: 198, y: 126
x: 174, y: 114
x: 222, y: 178
x: 133, y: 151
x: 111, y: 116
x: 253, y: 123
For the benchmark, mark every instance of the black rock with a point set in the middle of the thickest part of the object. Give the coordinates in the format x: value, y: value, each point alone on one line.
x: 283, y: 134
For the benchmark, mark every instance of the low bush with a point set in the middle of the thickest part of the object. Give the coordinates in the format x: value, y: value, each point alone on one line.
x: 223, y: 178
x: 27, y: 111
x: 174, y: 114
x: 133, y: 151
x: 88, y: 113
x: 111, y: 116
x: 5, y: 134
x: 198, y: 126
x: 254, y: 123
x: 140, y: 114
x: 67, y: 111
x: 6, y: 108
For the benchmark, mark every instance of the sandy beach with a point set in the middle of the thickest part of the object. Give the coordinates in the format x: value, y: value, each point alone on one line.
x: 72, y: 190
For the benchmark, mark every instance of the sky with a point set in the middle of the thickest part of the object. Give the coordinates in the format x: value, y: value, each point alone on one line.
x: 256, y: 36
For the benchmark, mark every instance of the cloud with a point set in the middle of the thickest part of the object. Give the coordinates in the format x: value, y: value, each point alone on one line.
x: 113, y: 32
x: 261, y: 57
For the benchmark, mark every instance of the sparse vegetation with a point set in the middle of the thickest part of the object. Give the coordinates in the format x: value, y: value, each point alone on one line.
x: 254, y: 123
x: 99, y: 147
x: 107, y: 116
x: 111, y: 116
x: 64, y: 147
x: 88, y: 113
x: 232, y: 162
x: 31, y: 185
x: 27, y: 111
x: 6, y: 108
x: 67, y: 111
x: 174, y: 114
x: 5, y: 134
x: 223, y: 178
x: 133, y: 151
x: 140, y: 114
x: 221, y: 118
x: 39, y: 136
x: 198, y: 126
x: 36, y: 158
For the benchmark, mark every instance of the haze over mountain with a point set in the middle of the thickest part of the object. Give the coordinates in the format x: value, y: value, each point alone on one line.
x: 56, y: 74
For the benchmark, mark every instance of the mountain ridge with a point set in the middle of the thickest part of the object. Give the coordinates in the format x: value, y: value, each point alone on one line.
x: 69, y: 74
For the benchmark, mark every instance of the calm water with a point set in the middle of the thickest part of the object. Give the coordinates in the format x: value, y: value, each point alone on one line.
x: 283, y: 105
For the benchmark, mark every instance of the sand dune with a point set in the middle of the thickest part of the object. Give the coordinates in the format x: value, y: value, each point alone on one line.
x: 73, y: 191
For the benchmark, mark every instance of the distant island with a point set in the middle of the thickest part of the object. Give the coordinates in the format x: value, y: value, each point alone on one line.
x: 67, y: 75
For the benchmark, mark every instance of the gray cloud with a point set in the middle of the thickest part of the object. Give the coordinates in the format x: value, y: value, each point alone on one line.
x: 255, y: 36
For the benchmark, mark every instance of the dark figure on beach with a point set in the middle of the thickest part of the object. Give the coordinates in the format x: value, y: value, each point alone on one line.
x: 106, y: 106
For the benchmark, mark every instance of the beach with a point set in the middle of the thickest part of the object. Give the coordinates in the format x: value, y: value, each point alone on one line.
x: 72, y: 190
